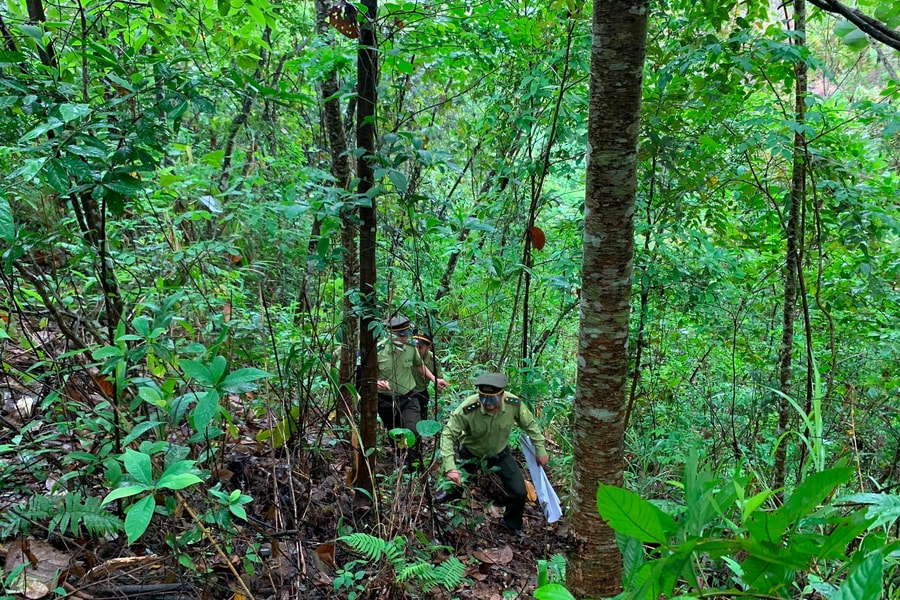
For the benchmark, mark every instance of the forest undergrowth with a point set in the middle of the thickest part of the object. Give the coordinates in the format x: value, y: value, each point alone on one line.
x: 258, y: 521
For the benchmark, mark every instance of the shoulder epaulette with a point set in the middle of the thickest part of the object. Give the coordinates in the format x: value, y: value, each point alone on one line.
x: 470, y: 408
x: 512, y: 400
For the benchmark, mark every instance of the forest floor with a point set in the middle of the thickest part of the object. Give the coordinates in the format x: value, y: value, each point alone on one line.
x: 289, y: 545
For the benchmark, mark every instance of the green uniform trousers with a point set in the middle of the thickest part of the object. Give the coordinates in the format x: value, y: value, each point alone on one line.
x: 510, y: 475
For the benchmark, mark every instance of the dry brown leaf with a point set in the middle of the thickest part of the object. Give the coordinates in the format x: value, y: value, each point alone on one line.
x: 120, y: 564
x: 342, y: 17
x: 538, y: 239
x: 326, y: 553
x: 495, y: 556
x: 530, y: 491
x: 44, y: 565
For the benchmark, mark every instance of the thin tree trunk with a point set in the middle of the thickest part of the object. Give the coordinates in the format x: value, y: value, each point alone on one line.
x: 617, y: 61
x: 791, y: 262
x: 340, y: 168
x: 367, y: 73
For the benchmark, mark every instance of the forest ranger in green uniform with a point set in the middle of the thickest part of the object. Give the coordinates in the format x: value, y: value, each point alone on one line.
x: 423, y: 346
x: 480, y: 426
x: 397, y: 361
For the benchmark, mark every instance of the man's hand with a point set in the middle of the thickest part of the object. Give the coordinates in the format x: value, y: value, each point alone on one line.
x: 384, y: 385
x: 441, y: 383
x: 454, y: 477
x: 542, y: 460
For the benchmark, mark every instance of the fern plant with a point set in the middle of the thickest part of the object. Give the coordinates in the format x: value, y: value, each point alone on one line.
x: 447, y: 574
x: 66, y: 514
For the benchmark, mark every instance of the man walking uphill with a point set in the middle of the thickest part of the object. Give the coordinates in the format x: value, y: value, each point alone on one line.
x: 397, y: 361
x: 480, y: 426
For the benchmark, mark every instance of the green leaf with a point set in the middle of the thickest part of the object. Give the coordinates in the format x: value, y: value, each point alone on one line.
x: 206, y: 408
x: 27, y: 171
x: 52, y: 123
x: 138, y: 518
x: 238, y: 511
x: 196, y: 370
x: 242, y: 380
x: 856, y: 39
x: 177, y: 481
x: 70, y: 112
x: 140, y: 429
x: 7, y: 224
x: 553, y: 591
x: 865, y: 580
x: 217, y: 368
x: 107, y: 352
x: 138, y: 465
x: 843, y: 28
x: 256, y: 14
x: 403, y: 436
x: 224, y: 7
x: 57, y: 176
x: 630, y: 514
x: 123, y: 492
x: 399, y: 180
x: 32, y: 32
x: 428, y: 428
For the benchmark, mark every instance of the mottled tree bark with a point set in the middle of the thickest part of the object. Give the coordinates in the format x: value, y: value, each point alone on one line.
x: 367, y: 73
x: 791, y: 271
x: 340, y: 169
x: 617, y: 59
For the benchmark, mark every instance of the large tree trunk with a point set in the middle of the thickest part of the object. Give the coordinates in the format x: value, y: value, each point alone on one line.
x: 617, y: 60
x: 367, y: 73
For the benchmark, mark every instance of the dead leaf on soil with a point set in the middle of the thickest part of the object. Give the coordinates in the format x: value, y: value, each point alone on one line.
x: 120, y: 564
x: 44, y: 565
x: 326, y: 553
x: 495, y: 556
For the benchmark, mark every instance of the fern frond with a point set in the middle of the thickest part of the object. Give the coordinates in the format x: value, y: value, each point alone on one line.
x: 371, y: 547
x: 420, y: 570
x: 77, y: 511
x: 448, y: 574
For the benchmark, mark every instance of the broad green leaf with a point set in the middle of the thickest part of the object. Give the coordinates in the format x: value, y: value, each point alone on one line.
x: 56, y: 175
x: 52, y: 123
x: 844, y: 27
x: 27, y: 171
x: 856, y: 39
x: 428, y: 428
x: 811, y: 492
x: 398, y: 178
x: 140, y: 429
x: 177, y: 481
x: 138, y: 465
x: 630, y: 514
x: 242, y: 380
x: 217, y: 368
x: 206, y: 408
x: 255, y: 13
x: 7, y: 224
x: 196, y: 370
x: 238, y: 511
x: 70, y: 112
x: 865, y: 580
x: 107, y: 352
x: 138, y: 518
x: 844, y: 532
x: 404, y: 437
x: 224, y: 7
x: 33, y: 32
x: 553, y: 591
x: 123, y: 492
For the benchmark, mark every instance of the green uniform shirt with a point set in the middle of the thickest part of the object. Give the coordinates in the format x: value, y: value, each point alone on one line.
x: 396, y: 366
x: 484, y: 434
x: 421, y: 382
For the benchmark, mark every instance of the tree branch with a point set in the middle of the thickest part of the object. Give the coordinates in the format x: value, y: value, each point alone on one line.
x: 870, y: 26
